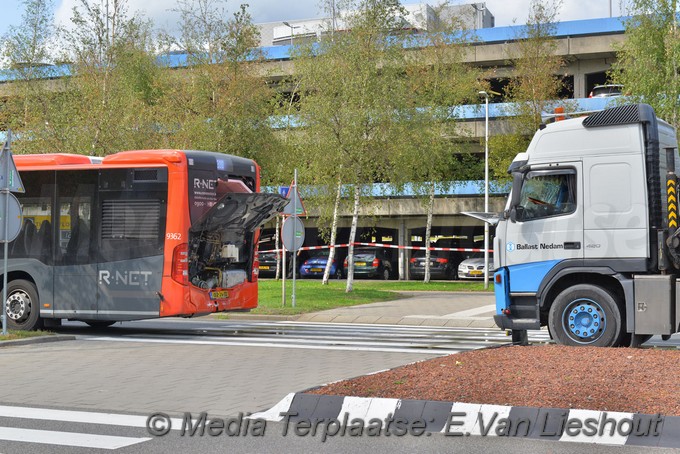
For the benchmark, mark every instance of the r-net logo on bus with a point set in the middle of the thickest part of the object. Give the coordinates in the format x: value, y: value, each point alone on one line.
x: 128, y: 278
x: 203, y: 183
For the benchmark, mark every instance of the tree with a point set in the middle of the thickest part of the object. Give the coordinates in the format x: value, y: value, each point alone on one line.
x: 352, y: 95
x: 439, y: 80
x: 534, y: 86
x: 104, y: 106
x: 647, y: 61
x: 220, y: 101
x: 26, y: 49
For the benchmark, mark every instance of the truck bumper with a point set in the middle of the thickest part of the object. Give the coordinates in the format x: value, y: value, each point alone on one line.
x: 505, y: 322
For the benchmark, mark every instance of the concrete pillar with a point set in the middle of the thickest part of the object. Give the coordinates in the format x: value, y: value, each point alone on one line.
x: 403, y: 269
x: 580, y: 85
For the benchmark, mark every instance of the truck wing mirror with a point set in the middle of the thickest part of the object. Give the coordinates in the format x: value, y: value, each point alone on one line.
x: 517, y: 178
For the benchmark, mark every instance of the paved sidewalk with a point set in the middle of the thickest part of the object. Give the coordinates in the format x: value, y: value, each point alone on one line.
x: 454, y: 309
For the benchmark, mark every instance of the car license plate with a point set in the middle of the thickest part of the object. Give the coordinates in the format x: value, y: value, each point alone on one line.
x: 264, y: 267
x: 360, y: 263
x: 219, y: 295
x: 476, y: 273
x: 315, y: 270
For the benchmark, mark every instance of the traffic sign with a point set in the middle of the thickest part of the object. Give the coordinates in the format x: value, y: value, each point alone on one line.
x: 7, y: 199
x: 9, y: 176
x: 295, y: 206
x: 293, y: 233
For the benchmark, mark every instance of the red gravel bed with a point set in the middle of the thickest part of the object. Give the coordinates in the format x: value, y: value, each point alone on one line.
x: 606, y: 379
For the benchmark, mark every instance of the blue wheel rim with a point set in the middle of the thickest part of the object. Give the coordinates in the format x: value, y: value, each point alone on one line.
x: 584, y: 321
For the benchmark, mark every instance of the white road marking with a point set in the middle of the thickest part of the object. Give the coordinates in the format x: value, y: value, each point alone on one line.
x: 110, y: 419
x: 472, y: 312
x: 67, y: 438
x: 232, y: 343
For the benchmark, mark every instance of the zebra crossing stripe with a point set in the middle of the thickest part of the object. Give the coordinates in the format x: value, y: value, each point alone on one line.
x: 109, y: 419
x: 81, y: 440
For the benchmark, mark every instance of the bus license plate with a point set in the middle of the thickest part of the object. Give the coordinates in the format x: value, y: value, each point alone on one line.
x: 219, y: 295
x: 264, y: 267
x: 360, y: 263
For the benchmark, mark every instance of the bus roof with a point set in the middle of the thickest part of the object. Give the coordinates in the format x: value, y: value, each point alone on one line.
x: 138, y: 157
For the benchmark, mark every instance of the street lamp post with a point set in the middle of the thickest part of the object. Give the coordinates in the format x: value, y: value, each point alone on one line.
x: 486, y: 187
x: 292, y: 31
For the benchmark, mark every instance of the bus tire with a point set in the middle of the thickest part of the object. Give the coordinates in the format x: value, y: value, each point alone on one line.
x: 586, y: 314
x: 23, y: 306
x: 100, y: 323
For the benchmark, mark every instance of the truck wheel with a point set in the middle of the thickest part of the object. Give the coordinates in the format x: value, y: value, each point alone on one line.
x: 585, y: 315
x: 23, y: 306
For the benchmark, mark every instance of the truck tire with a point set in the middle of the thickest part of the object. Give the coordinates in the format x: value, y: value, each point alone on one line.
x: 586, y: 314
x: 22, y: 306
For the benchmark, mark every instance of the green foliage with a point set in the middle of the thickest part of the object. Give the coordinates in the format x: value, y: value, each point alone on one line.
x: 648, y: 60
x: 220, y: 102
x: 535, y: 83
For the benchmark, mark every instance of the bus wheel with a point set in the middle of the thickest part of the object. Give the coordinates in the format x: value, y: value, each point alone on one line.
x: 100, y: 323
x: 23, y: 306
x: 585, y: 315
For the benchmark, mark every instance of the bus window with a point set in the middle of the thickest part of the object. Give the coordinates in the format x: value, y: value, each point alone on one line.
x: 76, y: 193
x: 35, y: 237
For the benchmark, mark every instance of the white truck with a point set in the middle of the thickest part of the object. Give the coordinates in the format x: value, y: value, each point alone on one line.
x: 588, y: 244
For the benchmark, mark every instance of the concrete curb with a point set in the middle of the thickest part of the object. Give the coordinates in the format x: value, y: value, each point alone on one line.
x: 37, y: 340
x: 262, y: 317
x: 465, y: 419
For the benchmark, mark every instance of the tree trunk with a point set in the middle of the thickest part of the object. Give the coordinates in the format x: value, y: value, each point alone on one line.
x: 277, y: 247
x: 352, y: 237
x: 334, y: 228
x: 428, y: 231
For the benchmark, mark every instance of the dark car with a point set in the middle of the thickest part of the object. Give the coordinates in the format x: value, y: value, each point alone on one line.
x: 267, y: 264
x: 371, y: 263
x: 443, y: 265
x: 315, y: 265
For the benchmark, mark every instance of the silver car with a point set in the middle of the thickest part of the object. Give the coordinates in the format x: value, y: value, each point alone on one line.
x: 473, y: 268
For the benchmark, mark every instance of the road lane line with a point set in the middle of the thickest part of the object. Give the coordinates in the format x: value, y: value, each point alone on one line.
x: 109, y: 419
x: 81, y: 440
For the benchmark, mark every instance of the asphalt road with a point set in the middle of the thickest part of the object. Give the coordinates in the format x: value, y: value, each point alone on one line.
x: 96, y: 393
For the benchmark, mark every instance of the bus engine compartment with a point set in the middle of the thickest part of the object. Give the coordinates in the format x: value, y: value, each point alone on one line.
x: 215, y: 262
x: 222, y: 242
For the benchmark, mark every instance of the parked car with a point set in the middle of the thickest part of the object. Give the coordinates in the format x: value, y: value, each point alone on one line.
x: 267, y: 264
x: 371, y: 263
x: 315, y: 265
x: 473, y: 267
x: 443, y: 265
x: 606, y: 91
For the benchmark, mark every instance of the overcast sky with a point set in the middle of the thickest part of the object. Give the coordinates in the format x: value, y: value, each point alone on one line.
x: 505, y: 11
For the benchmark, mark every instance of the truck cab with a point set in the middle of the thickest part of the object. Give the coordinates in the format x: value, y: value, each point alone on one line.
x: 585, y: 245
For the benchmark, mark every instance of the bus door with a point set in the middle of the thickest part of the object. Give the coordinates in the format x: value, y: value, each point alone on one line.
x: 133, y: 205
x: 75, y: 273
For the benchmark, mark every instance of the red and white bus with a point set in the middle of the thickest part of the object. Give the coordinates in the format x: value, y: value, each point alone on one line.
x: 135, y: 235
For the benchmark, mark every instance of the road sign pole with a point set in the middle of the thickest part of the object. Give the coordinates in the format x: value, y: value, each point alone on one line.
x: 5, y: 190
x: 296, y: 252
x: 283, y: 276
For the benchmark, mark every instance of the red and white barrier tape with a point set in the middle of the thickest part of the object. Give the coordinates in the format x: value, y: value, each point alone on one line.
x: 392, y: 246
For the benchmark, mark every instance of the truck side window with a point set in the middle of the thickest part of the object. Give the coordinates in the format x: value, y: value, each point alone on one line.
x: 547, y: 193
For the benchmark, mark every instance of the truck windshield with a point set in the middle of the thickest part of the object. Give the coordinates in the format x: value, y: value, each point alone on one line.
x: 547, y: 194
